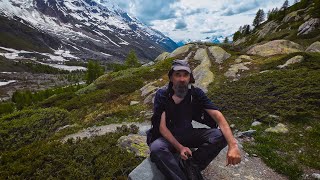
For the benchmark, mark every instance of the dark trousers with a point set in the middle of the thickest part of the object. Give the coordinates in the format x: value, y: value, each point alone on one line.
x: 208, y: 141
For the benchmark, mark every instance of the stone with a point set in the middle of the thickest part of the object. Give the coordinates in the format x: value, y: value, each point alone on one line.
x: 279, y: 128
x: 293, y: 60
x: 293, y: 16
x: 316, y: 176
x: 181, y: 50
x: 232, y: 126
x: 150, y: 98
x: 235, y: 68
x: 275, y: 47
x: 314, y: 47
x: 202, y: 73
x: 148, y: 90
x: 309, y: 26
x: 219, y: 54
x: 246, y: 133
x: 147, y: 170
x: 256, y: 123
x: 135, y: 143
x: 239, y: 41
x: 148, y: 64
x: 246, y: 57
x: 267, y: 28
x: 162, y: 56
x: 134, y: 103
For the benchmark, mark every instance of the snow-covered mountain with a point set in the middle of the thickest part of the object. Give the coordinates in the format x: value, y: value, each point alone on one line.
x: 96, y: 29
x: 212, y: 39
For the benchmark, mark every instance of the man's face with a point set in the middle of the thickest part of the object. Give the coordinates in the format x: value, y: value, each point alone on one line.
x: 180, y: 81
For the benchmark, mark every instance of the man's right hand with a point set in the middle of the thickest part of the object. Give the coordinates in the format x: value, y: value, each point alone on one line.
x: 184, y: 152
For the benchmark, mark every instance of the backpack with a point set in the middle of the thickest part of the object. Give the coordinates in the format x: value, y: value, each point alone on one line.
x: 198, y: 114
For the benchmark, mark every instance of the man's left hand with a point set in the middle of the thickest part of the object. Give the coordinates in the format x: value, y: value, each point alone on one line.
x: 233, y: 156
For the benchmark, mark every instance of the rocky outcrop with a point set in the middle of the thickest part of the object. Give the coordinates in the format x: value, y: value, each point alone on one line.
x: 219, y: 54
x: 293, y: 60
x: 162, y: 56
x: 241, y: 58
x: 293, y: 16
x: 202, y: 73
x: 309, y: 26
x: 239, y: 41
x: 267, y: 28
x: 134, y: 143
x: 235, y: 68
x: 180, y: 50
x: 275, y: 47
x: 148, y: 91
x: 314, y: 47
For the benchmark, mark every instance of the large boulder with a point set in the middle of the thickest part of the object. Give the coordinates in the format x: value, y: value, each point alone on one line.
x: 219, y: 54
x: 314, y: 47
x: 202, y: 73
x: 267, y: 28
x: 135, y: 143
x: 239, y: 41
x: 293, y: 60
x: 181, y: 50
x: 162, y: 56
x: 147, y: 170
x: 309, y: 26
x: 275, y: 47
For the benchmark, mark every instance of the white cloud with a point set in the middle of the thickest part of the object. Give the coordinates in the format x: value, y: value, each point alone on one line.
x: 197, y: 19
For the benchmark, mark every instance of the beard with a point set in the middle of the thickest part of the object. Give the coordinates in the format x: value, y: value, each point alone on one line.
x: 181, y: 90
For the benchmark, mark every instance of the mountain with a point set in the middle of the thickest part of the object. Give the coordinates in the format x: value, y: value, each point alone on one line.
x: 210, y: 39
x: 299, y: 23
x: 87, y: 28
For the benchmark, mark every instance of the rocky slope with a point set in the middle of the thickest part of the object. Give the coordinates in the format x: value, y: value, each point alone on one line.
x: 88, y: 29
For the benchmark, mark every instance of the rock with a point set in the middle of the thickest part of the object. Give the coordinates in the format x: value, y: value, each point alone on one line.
x: 308, y: 128
x: 180, y: 50
x: 147, y: 170
x: 162, y: 56
x: 219, y: 54
x: 267, y: 28
x: 134, y: 103
x: 239, y: 41
x: 135, y: 143
x: 246, y: 133
x: 256, y: 123
x: 150, y: 98
x: 315, y: 175
x: 234, y: 69
x: 293, y: 16
x: 246, y: 57
x: 314, y: 47
x: 65, y: 127
x: 293, y: 60
x: 149, y: 63
x: 279, y: 128
x: 148, y: 90
x: 309, y: 26
x: 232, y: 126
x: 202, y: 73
x: 275, y: 47
x: 274, y: 116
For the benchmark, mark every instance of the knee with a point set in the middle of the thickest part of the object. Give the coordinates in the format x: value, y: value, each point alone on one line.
x: 216, y: 137
x: 158, y: 145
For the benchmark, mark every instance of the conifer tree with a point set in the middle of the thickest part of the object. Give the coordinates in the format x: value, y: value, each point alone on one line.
x: 226, y: 40
x: 132, y: 60
x: 94, y: 70
x: 285, y: 5
x: 259, y: 18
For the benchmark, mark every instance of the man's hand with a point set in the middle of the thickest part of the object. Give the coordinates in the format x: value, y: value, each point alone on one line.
x: 233, y: 156
x: 184, y: 152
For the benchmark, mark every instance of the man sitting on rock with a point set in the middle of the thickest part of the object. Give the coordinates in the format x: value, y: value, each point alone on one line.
x: 172, y: 132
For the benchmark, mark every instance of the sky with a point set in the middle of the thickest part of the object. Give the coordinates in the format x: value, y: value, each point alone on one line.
x: 197, y: 19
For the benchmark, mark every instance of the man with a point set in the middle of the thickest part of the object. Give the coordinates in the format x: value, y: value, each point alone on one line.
x: 174, y: 109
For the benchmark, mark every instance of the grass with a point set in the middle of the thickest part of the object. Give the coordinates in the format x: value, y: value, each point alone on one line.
x: 293, y: 94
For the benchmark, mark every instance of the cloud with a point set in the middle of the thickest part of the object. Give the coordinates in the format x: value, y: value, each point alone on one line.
x: 181, y: 24
x: 149, y: 10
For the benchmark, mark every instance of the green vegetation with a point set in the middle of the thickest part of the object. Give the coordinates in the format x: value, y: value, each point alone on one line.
x: 94, y: 70
x: 293, y: 94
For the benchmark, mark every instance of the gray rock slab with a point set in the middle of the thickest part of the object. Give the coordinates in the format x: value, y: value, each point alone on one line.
x: 147, y: 170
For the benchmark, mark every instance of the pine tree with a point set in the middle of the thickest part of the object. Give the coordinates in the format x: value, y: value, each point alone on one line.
x: 226, y: 40
x: 247, y: 29
x: 132, y: 60
x: 295, y: 1
x: 94, y: 70
x: 259, y: 18
x: 285, y: 5
x: 236, y: 35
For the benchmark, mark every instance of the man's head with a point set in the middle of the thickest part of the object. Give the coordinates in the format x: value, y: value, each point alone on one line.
x: 180, y: 76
